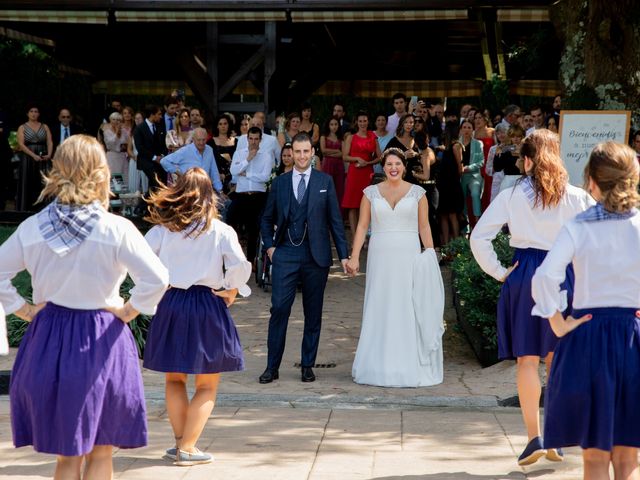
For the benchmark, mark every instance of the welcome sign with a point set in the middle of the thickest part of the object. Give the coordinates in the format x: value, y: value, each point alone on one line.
x: 581, y: 130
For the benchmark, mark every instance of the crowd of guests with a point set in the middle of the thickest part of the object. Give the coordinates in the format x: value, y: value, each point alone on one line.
x: 462, y: 158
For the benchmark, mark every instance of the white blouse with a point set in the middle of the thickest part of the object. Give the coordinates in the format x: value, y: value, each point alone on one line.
x: 4, y: 342
x: 606, y: 261
x: 89, y: 276
x: 529, y: 227
x: 200, y: 260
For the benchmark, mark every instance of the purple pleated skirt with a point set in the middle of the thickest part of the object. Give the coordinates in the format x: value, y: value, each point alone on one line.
x: 76, y: 383
x: 591, y: 398
x: 519, y: 332
x: 193, y: 332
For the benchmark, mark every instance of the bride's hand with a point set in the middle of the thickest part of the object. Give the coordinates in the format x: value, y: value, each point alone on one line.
x: 353, y: 265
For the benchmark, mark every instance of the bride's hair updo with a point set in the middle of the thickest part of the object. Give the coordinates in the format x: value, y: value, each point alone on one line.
x: 614, y: 168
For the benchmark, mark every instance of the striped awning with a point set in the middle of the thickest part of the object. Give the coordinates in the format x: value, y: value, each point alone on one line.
x: 386, y: 88
x: 25, y: 37
x: 523, y: 15
x: 140, y: 87
x: 377, y: 15
x: 55, y: 16
x: 536, y: 88
x: 199, y: 16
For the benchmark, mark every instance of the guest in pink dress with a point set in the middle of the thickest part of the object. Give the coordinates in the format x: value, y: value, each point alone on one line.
x: 331, y: 146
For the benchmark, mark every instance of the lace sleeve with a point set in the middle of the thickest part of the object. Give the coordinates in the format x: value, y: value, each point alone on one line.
x: 371, y: 192
x: 417, y: 192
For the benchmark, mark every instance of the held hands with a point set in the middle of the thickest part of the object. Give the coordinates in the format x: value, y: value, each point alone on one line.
x: 509, y: 270
x: 351, y: 266
x: 270, y: 253
x: 27, y: 312
x: 345, y: 267
x: 228, y: 296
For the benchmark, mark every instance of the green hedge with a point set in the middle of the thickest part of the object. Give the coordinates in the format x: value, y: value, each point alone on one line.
x: 477, y: 292
x: 22, y: 281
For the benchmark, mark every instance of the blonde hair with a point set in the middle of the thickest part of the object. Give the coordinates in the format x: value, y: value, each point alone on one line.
x: 189, y: 205
x: 549, y: 175
x: 79, y: 174
x: 614, y: 168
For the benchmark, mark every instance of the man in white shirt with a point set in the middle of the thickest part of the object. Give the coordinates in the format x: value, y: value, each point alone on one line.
x: 511, y: 115
x: 538, y: 119
x: 268, y: 145
x: 400, y: 106
x: 251, y: 168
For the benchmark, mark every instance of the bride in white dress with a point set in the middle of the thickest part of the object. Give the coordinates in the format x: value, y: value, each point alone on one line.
x: 402, y: 325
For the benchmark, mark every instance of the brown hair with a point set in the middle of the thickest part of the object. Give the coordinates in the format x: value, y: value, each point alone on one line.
x: 548, y: 173
x: 187, y: 206
x: 614, y: 168
x: 79, y: 174
x: 397, y: 153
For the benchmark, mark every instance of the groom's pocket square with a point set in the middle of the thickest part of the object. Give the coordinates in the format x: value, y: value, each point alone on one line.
x: 323, y: 191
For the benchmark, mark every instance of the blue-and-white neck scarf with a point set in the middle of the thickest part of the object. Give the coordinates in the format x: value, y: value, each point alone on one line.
x: 529, y: 190
x: 597, y: 213
x: 64, y: 226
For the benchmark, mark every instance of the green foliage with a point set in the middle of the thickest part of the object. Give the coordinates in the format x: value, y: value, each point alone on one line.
x: 16, y: 327
x: 495, y: 94
x: 583, y: 97
x: 478, y: 292
x: 31, y: 74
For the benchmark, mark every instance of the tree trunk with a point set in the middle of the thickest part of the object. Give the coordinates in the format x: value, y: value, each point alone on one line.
x: 600, y: 64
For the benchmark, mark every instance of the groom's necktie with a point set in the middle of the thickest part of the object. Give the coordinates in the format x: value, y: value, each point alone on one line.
x: 301, y: 188
x: 66, y: 133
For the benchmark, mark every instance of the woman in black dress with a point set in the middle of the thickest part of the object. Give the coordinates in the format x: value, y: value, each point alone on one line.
x: 224, y: 146
x: 451, y: 203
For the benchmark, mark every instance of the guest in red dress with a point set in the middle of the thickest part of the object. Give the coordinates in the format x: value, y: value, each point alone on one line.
x: 331, y: 147
x: 361, y: 151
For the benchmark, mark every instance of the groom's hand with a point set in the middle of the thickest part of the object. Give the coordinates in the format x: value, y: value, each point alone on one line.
x: 270, y: 253
x: 344, y: 265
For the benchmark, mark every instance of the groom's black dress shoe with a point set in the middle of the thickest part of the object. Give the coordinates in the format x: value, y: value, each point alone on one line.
x: 268, y: 376
x: 308, y: 375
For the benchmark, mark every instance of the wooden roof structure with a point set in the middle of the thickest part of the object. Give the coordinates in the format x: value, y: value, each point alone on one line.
x: 286, y: 49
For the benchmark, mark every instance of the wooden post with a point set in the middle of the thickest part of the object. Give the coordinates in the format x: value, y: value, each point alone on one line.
x: 212, y: 63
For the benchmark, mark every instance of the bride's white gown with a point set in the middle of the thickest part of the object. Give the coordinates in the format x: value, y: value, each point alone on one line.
x: 402, y: 324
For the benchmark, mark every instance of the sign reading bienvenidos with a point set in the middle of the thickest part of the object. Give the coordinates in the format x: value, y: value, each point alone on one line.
x: 581, y: 130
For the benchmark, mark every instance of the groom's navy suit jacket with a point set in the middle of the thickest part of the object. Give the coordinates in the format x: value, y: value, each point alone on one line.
x: 323, y: 216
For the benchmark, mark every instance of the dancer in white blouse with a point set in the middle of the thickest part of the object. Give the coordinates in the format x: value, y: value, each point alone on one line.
x: 594, y: 387
x: 534, y: 209
x: 193, y: 332
x: 76, y: 388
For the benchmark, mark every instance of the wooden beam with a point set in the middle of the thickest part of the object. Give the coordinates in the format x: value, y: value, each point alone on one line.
x: 240, y: 39
x: 198, y: 81
x: 242, y: 72
x: 242, y: 107
x: 502, y: 69
x: 484, y: 43
x: 269, y: 62
x: 212, y: 63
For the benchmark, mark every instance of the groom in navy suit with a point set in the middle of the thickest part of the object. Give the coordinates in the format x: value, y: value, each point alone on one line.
x: 302, y: 209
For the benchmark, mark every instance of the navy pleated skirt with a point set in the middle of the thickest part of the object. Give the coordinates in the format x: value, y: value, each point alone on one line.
x: 592, y: 396
x: 193, y: 332
x: 519, y: 332
x: 76, y: 383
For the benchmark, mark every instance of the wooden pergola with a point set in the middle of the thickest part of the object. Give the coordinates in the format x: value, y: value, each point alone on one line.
x: 285, y: 49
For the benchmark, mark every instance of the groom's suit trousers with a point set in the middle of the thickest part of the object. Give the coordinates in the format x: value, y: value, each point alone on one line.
x: 293, y: 265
